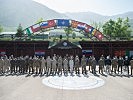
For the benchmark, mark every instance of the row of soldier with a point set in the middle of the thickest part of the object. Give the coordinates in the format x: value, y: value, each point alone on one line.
x: 57, y: 64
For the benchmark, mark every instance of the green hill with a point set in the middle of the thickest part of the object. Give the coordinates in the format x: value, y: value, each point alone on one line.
x: 26, y: 12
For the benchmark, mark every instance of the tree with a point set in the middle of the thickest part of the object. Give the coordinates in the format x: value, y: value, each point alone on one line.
x: 39, y: 20
x: 108, y: 28
x: 1, y: 28
x: 20, y: 32
x: 73, y: 35
x: 97, y: 25
x: 117, y: 29
x: 68, y: 31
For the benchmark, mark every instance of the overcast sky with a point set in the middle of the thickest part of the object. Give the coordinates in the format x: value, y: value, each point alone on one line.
x: 104, y: 7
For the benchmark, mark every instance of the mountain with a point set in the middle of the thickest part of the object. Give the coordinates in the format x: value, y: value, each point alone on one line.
x: 90, y: 17
x: 26, y: 12
x: 86, y: 17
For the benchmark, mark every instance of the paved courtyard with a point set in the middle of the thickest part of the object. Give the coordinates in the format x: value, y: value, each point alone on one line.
x: 24, y: 87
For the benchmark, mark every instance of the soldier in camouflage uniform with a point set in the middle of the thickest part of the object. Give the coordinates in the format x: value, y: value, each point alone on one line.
x: 17, y: 64
x: 90, y: 63
x: 38, y: 65
x: 30, y: 67
x: 120, y: 64
x: 101, y: 65
x: 83, y: 64
x: 114, y: 64
x: 71, y: 64
x: 22, y: 65
x: 48, y: 63
x: 6, y: 65
x: 43, y: 65
x: 65, y: 63
x: 54, y: 66
x: 77, y: 64
x: 94, y: 63
x: 1, y: 65
x: 59, y: 68
x: 13, y: 64
x: 26, y: 64
x: 131, y: 63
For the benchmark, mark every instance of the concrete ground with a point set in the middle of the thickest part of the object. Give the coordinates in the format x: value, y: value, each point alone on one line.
x: 31, y: 88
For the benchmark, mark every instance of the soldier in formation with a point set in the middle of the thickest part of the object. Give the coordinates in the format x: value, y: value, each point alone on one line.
x: 77, y: 64
x: 68, y: 64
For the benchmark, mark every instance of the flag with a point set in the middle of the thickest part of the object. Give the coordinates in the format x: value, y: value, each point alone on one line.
x: 74, y: 24
x: 87, y: 52
x: 2, y: 52
x: 93, y: 31
x: 48, y: 24
x: 131, y: 53
x: 39, y: 52
x: 98, y: 35
x: 29, y: 31
x: 63, y: 22
x: 35, y: 28
x: 89, y: 29
x: 81, y: 26
x: 78, y: 25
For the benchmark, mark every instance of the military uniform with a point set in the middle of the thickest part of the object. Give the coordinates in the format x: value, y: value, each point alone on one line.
x: 1, y: 65
x: 120, y: 64
x: 131, y: 63
x: 90, y: 63
x: 94, y: 63
x: 17, y: 65
x: 101, y: 65
x: 77, y: 63
x: 126, y: 64
x: 108, y: 65
x: 31, y: 69
x: 114, y: 65
x: 38, y: 66
x: 22, y: 65
x: 83, y: 64
x: 48, y: 63
x: 65, y: 63
x: 6, y: 65
x: 59, y: 68
x: 71, y: 64
x: 43, y: 65
x: 26, y: 64
x: 54, y: 65
x: 13, y: 64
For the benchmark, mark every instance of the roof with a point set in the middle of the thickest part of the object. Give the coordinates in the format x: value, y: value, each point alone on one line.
x: 65, y: 45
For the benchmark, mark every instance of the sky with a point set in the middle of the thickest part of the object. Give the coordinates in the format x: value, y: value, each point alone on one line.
x: 104, y: 7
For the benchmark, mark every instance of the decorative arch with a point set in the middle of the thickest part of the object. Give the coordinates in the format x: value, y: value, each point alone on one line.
x: 64, y: 23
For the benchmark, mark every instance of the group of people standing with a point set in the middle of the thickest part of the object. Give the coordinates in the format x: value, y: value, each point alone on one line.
x: 64, y: 65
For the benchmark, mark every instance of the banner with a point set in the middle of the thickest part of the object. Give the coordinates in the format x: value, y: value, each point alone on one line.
x: 87, y: 52
x: 63, y: 22
x: 81, y: 26
x: 78, y: 25
x: 48, y: 24
x: 89, y: 29
x: 74, y: 24
x: 29, y: 31
x: 122, y: 53
x: 40, y: 52
x: 2, y: 52
x: 35, y: 28
x: 98, y: 35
